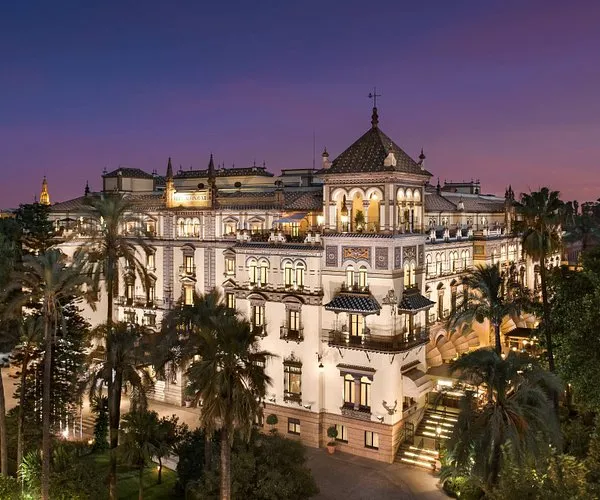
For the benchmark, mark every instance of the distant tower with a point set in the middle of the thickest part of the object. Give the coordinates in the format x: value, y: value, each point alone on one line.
x: 212, y: 182
x: 169, y: 186
x: 44, y: 195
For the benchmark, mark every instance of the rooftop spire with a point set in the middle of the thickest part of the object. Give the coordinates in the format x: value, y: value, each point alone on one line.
x: 86, y: 191
x: 211, y: 166
x: 44, y: 195
x: 374, y: 117
x: 169, y: 169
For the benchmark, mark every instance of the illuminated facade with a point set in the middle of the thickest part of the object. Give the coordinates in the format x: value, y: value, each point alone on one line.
x: 348, y: 273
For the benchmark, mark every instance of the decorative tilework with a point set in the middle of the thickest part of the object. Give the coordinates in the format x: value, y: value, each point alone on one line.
x: 410, y: 253
x: 397, y: 257
x: 356, y: 253
x: 381, y: 258
x: 331, y: 255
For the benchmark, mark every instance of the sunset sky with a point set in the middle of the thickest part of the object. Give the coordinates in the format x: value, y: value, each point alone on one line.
x: 503, y: 91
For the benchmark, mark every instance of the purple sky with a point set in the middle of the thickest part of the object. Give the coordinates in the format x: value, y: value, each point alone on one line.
x: 505, y: 91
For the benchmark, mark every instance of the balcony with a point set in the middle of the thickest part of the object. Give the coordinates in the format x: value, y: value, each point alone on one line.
x: 287, y: 334
x: 260, y: 330
x: 292, y: 397
x: 352, y: 410
x: 354, y: 288
x: 376, y: 343
x: 187, y: 271
x: 139, y: 301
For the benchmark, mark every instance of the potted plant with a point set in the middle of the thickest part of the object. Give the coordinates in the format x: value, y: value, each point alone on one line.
x: 332, y: 433
x: 359, y: 220
x: 272, y: 421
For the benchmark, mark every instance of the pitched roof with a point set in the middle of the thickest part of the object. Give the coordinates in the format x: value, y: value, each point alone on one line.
x: 224, y: 172
x: 437, y: 203
x: 368, y: 154
x: 147, y: 201
x: 136, y: 173
x: 303, y: 200
x: 413, y: 301
x: 354, y: 302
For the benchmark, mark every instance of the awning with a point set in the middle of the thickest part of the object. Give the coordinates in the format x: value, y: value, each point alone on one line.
x: 291, y: 218
x: 413, y: 301
x: 415, y: 383
x: 354, y: 303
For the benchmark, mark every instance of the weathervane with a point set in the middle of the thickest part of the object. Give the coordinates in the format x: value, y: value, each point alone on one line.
x: 374, y: 95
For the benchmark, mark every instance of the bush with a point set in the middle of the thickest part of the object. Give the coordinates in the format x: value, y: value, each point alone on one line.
x: 10, y: 489
x: 272, y: 421
x: 191, y: 454
x: 332, y: 433
x: 101, y: 424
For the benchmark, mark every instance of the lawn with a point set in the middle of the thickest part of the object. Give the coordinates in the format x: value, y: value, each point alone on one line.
x: 128, y: 480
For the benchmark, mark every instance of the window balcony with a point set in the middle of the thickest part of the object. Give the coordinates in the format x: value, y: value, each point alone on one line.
x: 292, y: 397
x: 376, y: 343
x: 187, y: 271
x: 352, y: 410
x: 354, y: 288
x: 287, y: 334
x: 260, y: 330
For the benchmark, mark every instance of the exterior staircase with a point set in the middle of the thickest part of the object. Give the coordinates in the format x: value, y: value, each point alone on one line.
x: 435, y: 427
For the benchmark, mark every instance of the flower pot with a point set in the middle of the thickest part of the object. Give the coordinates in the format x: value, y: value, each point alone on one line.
x: 330, y: 448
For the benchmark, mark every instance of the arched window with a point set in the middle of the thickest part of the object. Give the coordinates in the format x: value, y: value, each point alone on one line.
x: 466, y: 256
x: 413, y: 273
x: 365, y: 392
x: 181, y: 227
x: 253, y: 272
x: 196, y: 227
x: 188, y: 227
x: 264, y: 273
x: 349, y: 390
x: 438, y: 264
x: 350, y: 276
x: 362, y: 277
x: 288, y: 274
x: 409, y: 194
x: 453, y: 261
x: 406, y: 275
x: 300, y: 272
x: 428, y: 268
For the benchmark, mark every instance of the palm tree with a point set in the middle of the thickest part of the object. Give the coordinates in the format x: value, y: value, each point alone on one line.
x: 514, y: 412
x: 229, y: 380
x: 46, y: 279
x: 541, y: 218
x: 486, y: 299
x: 112, y: 249
x: 180, y: 337
x: 125, y: 364
x: 28, y: 347
x: 139, y: 432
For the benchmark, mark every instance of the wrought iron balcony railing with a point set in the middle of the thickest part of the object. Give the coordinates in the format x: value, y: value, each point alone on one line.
x: 295, y: 334
x: 378, y: 343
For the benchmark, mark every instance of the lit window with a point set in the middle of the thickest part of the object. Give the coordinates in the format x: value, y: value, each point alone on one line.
x: 151, y: 261
x: 349, y: 390
x: 357, y: 325
x: 362, y: 277
x: 230, y: 300
x: 406, y: 275
x: 264, y: 273
x: 342, y: 433
x: 288, y: 276
x: 413, y: 274
x: 371, y: 440
x: 258, y: 315
x: 259, y: 419
x: 252, y: 272
x: 350, y: 276
x: 230, y: 266
x: 130, y: 317
x: 294, y: 321
x: 292, y: 381
x: 365, y: 392
x: 151, y: 292
x: 188, y: 297
x: 293, y: 426
x: 129, y: 290
x: 149, y: 320
x: 190, y: 268
x: 300, y: 271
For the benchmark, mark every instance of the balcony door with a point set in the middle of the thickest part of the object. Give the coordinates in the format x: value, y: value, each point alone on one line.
x: 357, y: 328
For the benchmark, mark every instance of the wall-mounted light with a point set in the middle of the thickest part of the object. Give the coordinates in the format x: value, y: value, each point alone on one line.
x: 308, y: 406
x: 273, y: 398
x: 320, y: 361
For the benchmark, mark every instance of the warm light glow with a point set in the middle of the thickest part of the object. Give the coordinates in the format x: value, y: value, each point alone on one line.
x: 65, y: 433
x: 320, y: 220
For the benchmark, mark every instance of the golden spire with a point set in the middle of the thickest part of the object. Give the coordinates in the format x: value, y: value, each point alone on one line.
x: 44, y: 195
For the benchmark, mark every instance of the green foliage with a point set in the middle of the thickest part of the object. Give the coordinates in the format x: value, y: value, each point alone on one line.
x: 35, y: 228
x: 514, y: 414
x: 576, y: 316
x: 463, y: 487
x: 332, y: 433
x: 272, y: 420
x: 100, y: 409
x: 267, y: 467
x: 30, y: 469
x: 191, y: 454
x: 10, y: 488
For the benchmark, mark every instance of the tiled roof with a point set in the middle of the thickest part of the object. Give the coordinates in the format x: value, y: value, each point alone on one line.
x: 136, y: 173
x: 144, y: 201
x: 359, y: 235
x: 437, y: 203
x: 368, y: 154
x: 224, y: 172
x: 354, y: 302
x: 287, y: 246
x: 414, y: 301
x: 304, y: 200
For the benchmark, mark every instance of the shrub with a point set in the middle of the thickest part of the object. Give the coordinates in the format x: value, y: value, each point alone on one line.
x: 332, y: 433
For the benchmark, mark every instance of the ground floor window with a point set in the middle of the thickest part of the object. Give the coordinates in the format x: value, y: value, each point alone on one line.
x: 230, y: 300
x: 342, y: 433
x: 188, y: 297
x: 294, y: 426
x: 371, y: 440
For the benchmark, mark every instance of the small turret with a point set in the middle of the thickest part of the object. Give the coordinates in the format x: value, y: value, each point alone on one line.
x: 86, y: 191
x: 325, y: 159
x: 422, y: 159
x: 44, y: 195
x: 169, y: 186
